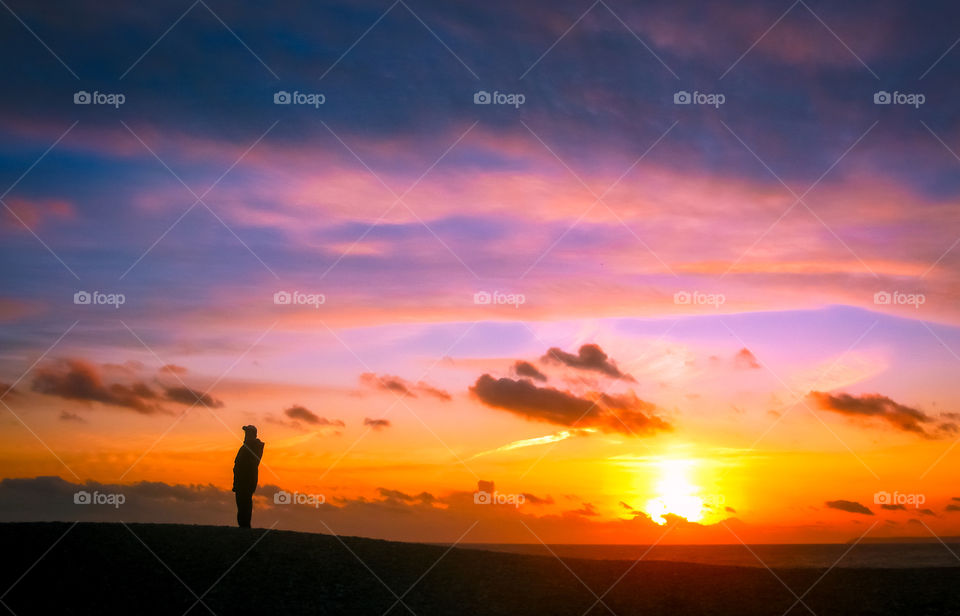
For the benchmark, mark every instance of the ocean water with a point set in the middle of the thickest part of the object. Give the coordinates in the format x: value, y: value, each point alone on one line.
x: 869, y: 555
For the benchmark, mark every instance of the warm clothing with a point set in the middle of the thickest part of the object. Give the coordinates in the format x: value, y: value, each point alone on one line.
x: 245, y: 467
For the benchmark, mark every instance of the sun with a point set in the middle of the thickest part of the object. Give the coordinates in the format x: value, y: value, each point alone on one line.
x: 676, y: 493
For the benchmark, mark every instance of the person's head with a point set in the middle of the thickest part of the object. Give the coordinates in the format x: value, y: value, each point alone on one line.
x: 249, y: 433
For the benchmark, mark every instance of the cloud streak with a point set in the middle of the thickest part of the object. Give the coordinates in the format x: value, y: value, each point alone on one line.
x: 301, y: 413
x: 526, y: 369
x: 376, y: 424
x: 538, y: 440
x: 876, y: 406
x: 625, y: 413
x: 590, y: 358
x: 402, y: 387
x: 80, y: 380
x: 848, y: 506
x: 75, y: 379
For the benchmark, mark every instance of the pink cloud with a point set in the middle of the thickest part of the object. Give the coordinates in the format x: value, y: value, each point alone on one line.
x: 35, y: 213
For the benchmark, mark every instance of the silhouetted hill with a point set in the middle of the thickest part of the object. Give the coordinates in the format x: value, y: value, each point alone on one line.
x: 163, y: 569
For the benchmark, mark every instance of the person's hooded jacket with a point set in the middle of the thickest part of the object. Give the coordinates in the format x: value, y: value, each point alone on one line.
x: 246, y: 465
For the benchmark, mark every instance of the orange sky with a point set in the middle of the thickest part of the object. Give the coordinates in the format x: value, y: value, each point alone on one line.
x: 738, y: 444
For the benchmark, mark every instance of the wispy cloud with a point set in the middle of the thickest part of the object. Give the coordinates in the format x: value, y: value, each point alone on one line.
x: 538, y: 440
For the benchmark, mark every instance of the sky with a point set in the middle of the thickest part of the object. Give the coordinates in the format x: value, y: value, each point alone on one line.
x: 567, y: 272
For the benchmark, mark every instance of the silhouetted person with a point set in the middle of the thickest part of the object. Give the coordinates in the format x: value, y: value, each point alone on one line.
x: 245, y: 474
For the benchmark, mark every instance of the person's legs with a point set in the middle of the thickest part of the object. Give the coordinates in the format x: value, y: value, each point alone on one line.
x: 244, y: 509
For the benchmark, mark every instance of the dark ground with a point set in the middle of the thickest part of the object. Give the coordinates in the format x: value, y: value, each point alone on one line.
x: 105, y: 569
